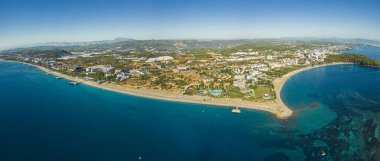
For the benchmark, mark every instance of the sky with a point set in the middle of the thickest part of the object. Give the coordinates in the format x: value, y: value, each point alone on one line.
x: 25, y: 22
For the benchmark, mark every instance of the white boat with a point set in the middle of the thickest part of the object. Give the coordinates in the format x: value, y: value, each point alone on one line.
x: 323, y: 153
x: 73, y: 83
x: 236, y: 110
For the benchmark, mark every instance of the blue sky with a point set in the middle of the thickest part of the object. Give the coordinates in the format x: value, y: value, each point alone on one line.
x: 36, y: 21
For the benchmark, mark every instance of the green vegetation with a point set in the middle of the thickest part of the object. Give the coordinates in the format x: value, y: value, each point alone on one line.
x: 261, y: 91
x: 234, y: 92
x: 48, y: 54
x: 259, y: 47
x: 197, y: 68
x: 148, y: 54
x: 203, y: 55
x: 97, y: 75
x: 281, y: 71
x: 353, y: 58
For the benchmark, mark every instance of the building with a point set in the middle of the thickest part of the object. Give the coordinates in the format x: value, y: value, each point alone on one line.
x: 276, y: 65
x: 252, y: 74
x: 37, y: 60
x: 181, y: 69
x: 239, y: 77
x: 245, y: 53
x: 135, y: 73
x: 67, y: 57
x: 208, y: 79
x: 258, y: 65
x: 104, y: 69
x: 241, y: 84
x: 263, y: 69
x: 122, y: 76
x: 267, y: 97
x: 161, y: 58
x: 269, y: 57
x: 52, y: 63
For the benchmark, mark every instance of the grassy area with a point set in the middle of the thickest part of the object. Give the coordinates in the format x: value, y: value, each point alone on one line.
x: 260, y: 91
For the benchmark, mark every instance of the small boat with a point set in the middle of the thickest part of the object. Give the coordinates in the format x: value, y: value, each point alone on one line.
x: 73, y: 83
x: 323, y: 153
x: 236, y: 110
x: 58, y: 78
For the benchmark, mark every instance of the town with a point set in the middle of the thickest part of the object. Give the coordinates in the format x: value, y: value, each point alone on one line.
x: 231, y: 70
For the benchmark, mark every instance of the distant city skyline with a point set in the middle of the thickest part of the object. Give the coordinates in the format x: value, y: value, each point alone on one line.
x: 30, y: 22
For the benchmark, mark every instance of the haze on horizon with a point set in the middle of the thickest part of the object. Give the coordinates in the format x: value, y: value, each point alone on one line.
x: 37, y: 21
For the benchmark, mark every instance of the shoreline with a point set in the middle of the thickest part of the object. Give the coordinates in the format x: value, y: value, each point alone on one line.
x: 276, y: 107
x: 376, y: 45
x: 280, y: 82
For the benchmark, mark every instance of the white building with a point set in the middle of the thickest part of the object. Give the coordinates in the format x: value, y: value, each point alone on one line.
x: 122, y: 76
x: 269, y: 57
x: 161, y: 58
x: 239, y: 77
x: 259, y: 65
x: 208, y: 79
x: 276, y: 65
x: 252, y: 74
x: 241, y: 84
x: 135, y: 73
x: 100, y: 68
x: 245, y: 53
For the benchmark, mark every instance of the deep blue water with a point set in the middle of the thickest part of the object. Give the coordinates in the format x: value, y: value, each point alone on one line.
x: 371, y: 51
x: 41, y: 118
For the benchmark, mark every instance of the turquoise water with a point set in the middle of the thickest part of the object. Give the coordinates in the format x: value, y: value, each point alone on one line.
x: 42, y: 118
x: 306, y: 88
x: 345, y: 123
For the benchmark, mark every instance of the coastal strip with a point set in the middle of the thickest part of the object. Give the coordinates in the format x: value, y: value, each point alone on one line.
x: 276, y: 107
x: 376, y: 45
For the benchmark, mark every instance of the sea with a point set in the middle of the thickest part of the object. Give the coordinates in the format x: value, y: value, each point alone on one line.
x: 337, y: 114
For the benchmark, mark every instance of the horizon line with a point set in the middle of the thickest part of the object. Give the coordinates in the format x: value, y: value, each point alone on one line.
x: 42, y: 44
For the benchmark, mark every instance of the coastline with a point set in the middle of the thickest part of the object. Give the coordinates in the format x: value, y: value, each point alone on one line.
x: 280, y: 82
x: 276, y: 107
x: 376, y: 45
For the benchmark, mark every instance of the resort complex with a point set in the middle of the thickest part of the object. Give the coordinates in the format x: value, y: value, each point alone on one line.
x: 249, y: 74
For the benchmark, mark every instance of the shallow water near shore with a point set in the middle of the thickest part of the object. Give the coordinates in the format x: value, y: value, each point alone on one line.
x: 42, y: 118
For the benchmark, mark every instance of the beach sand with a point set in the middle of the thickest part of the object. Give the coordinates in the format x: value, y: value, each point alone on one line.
x: 276, y: 107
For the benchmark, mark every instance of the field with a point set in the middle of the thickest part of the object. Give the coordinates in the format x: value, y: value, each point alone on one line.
x: 261, y: 91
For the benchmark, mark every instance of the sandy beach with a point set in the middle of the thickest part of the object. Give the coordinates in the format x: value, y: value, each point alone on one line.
x: 276, y: 107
